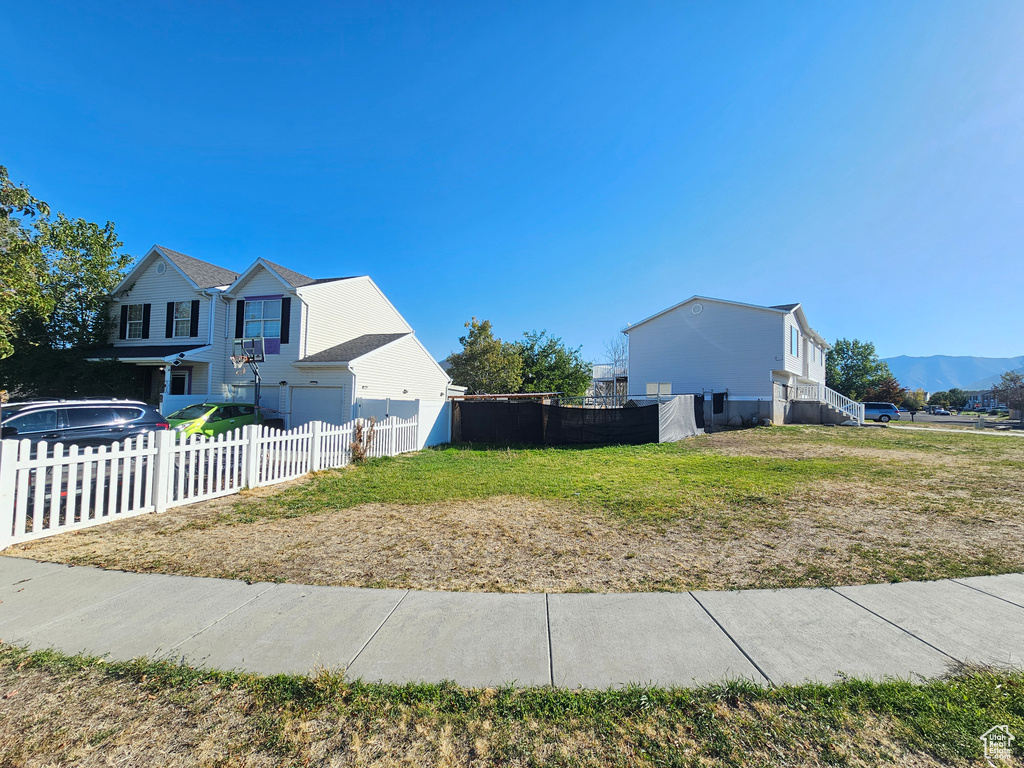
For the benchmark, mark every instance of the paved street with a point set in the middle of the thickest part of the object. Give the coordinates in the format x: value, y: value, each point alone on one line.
x: 908, y: 630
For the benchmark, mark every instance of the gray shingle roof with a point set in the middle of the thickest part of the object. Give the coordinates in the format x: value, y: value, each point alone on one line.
x: 785, y: 307
x: 202, y: 273
x: 296, y: 279
x: 354, y: 348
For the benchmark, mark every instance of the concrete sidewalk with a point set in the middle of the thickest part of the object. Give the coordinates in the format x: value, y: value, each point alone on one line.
x: 909, y: 630
x: 986, y: 431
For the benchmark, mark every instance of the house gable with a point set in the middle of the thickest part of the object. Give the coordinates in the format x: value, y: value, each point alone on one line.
x: 706, y: 344
x: 145, y: 303
x: 338, y: 311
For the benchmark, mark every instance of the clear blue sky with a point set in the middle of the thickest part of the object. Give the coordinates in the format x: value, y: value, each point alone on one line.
x: 564, y: 166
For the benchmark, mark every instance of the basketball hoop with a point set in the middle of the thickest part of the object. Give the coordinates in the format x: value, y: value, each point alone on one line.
x: 239, y: 362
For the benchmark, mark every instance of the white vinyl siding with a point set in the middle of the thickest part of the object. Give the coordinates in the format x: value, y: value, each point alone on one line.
x: 724, y: 347
x: 793, y: 362
x: 402, y: 370
x: 344, y: 310
x: 156, y: 290
x: 275, y: 368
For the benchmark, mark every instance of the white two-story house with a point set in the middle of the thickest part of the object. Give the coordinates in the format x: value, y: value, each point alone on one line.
x: 334, y: 348
x: 750, y: 362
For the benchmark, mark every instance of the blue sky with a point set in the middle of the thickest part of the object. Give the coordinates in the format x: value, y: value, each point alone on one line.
x: 572, y: 167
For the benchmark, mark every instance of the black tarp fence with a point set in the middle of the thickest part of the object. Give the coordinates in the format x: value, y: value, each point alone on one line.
x: 534, y: 423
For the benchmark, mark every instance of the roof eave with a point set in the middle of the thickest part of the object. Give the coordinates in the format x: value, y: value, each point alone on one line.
x: 674, y: 307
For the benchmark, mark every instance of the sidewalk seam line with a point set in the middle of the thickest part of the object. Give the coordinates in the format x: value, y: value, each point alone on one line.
x: 551, y: 658
x: 901, y: 629
x: 197, y: 633
x: 378, y: 629
x: 997, y: 597
x: 732, y: 639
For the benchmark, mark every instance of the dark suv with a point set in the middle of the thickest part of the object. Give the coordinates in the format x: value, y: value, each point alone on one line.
x: 79, y: 422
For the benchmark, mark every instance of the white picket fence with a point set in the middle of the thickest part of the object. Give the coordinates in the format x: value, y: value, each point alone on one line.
x: 46, y: 489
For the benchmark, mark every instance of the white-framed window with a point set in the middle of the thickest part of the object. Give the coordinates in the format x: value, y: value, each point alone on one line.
x: 134, y: 330
x: 182, y: 319
x: 655, y: 388
x: 263, y: 318
x: 794, y: 341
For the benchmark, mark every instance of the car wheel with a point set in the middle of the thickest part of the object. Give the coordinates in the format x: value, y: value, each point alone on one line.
x: 883, y: 419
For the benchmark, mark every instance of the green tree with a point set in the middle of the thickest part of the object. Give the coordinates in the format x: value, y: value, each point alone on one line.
x: 486, y: 365
x: 916, y: 400
x: 549, y: 366
x: 55, y: 275
x: 958, y: 398
x: 1010, y: 390
x: 83, y: 266
x: 939, y: 398
x: 884, y: 390
x: 852, y: 368
x: 22, y: 264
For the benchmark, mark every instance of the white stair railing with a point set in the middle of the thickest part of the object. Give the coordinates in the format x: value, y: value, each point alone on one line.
x: 843, y: 403
x: 822, y: 394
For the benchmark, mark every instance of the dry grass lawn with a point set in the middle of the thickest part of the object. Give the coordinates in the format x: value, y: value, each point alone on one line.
x: 57, y: 710
x: 879, y: 505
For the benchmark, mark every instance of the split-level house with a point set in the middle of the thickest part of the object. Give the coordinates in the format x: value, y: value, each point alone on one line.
x: 750, y: 362
x: 334, y: 348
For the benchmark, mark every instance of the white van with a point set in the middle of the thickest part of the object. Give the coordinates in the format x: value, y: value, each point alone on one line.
x: 882, y: 412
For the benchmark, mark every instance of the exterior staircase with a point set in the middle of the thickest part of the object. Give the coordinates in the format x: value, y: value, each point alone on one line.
x: 835, y: 408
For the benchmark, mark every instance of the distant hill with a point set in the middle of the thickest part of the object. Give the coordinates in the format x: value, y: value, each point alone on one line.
x: 941, y: 372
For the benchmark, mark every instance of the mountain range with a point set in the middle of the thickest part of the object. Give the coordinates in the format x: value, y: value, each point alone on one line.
x: 942, y: 372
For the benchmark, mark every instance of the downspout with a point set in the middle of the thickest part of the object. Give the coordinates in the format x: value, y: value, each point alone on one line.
x: 209, y: 340
x: 304, y: 322
x: 357, y: 405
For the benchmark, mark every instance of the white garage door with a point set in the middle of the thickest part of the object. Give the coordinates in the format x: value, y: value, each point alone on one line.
x: 326, y: 404
x: 269, y: 395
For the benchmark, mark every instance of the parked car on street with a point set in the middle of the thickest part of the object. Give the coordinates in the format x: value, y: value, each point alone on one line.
x: 941, y: 412
x: 79, y: 422
x: 882, y: 412
x: 215, y: 418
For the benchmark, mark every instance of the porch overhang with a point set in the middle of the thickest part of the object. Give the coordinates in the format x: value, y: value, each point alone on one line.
x: 155, y: 354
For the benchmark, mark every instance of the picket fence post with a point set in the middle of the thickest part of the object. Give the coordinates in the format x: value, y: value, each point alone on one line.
x: 314, y: 447
x: 8, y: 473
x: 252, y: 456
x: 163, y: 470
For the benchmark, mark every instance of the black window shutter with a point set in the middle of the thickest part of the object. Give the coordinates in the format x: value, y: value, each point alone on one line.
x: 123, y: 333
x: 193, y: 328
x: 169, y: 328
x: 286, y: 318
x: 239, y: 318
x: 145, y: 320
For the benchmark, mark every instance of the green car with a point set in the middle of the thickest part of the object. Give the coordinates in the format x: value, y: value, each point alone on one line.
x: 215, y: 418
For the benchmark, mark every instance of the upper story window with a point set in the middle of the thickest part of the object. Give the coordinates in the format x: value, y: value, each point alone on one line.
x: 134, y: 324
x: 263, y: 318
x: 182, y: 319
x: 794, y: 341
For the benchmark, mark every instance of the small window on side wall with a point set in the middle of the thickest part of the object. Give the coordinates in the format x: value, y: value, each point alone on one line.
x: 794, y: 342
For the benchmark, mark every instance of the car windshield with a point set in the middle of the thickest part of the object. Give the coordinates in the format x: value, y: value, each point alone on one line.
x: 191, y: 412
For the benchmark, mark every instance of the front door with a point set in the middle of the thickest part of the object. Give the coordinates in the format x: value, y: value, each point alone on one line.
x: 181, y: 381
